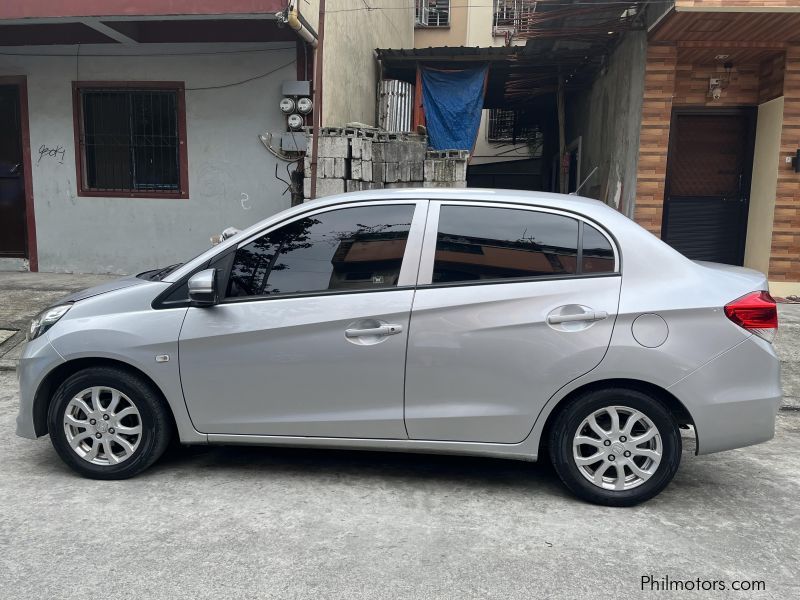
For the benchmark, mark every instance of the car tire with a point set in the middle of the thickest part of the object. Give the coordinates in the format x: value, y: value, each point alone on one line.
x: 108, y: 423
x: 584, y: 431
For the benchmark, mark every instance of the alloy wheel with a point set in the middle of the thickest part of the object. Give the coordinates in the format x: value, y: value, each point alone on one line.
x: 617, y: 448
x: 102, y: 425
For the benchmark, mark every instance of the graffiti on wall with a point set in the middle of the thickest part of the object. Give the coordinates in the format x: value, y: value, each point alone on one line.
x: 56, y: 153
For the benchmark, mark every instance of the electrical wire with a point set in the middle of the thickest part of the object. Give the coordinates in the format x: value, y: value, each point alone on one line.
x: 242, y: 82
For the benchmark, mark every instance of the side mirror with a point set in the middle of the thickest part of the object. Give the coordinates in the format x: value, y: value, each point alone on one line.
x: 203, y: 288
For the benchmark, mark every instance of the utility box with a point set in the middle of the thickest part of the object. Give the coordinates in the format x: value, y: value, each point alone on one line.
x: 294, y: 141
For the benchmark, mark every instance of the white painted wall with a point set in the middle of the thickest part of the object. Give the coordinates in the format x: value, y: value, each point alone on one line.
x: 763, y: 189
x: 231, y: 175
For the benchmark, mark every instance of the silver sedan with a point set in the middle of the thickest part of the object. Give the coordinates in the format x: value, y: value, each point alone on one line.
x: 480, y: 322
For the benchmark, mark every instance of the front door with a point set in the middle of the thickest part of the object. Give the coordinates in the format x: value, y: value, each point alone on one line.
x: 513, y: 303
x: 708, y: 184
x: 310, y: 339
x: 12, y: 182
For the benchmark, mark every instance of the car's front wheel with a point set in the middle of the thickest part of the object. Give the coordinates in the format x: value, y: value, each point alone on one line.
x: 107, y: 423
x: 615, y: 446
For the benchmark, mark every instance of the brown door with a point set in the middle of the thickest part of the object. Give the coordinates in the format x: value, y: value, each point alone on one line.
x: 708, y: 183
x: 12, y: 180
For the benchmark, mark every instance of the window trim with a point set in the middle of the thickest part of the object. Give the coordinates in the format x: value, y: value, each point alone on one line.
x: 421, y: 22
x: 77, y: 121
x: 425, y: 277
x: 409, y: 268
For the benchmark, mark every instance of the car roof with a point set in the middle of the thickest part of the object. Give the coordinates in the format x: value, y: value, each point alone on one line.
x: 546, y: 199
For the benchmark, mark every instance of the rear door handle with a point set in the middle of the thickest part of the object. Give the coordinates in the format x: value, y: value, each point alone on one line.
x: 594, y: 315
x: 382, y: 330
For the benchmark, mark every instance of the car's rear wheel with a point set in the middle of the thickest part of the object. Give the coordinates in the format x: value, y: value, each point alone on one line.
x: 615, y: 446
x: 107, y: 423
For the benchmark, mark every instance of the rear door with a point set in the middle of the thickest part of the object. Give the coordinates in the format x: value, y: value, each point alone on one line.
x: 512, y: 303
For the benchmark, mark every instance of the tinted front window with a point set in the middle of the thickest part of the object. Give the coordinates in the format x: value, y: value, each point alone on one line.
x: 357, y: 248
x: 598, y: 256
x: 478, y: 243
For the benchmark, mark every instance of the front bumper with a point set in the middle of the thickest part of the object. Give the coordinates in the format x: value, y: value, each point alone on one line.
x: 734, y: 398
x: 38, y: 359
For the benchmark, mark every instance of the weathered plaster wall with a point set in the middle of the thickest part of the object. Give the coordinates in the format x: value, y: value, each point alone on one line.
x: 350, y: 71
x: 231, y: 175
x: 608, y: 118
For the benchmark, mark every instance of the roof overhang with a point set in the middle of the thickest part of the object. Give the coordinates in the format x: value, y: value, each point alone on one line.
x: 43, y: 9
x: 42, y: 22
x: 738, y: 35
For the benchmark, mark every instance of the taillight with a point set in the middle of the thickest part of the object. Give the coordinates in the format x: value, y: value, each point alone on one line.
x: 755, y: 312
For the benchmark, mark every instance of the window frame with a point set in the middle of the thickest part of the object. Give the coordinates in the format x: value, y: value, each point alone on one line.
x: 409, y: 268
x: 423, y: 11
x: 425, y: 277
x: 77, y: 119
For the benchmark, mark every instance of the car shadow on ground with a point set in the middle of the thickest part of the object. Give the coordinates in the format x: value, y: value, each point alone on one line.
x: 236, y: 462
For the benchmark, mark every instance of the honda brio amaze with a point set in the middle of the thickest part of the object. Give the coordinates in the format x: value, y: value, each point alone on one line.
x: 495, y: 323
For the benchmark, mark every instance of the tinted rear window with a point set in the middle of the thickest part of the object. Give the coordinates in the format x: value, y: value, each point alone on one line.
x: 482, y: 243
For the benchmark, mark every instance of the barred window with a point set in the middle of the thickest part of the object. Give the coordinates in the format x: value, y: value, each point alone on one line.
x: 507, y: 126
x: 432, y: 13
x: 131, y: 140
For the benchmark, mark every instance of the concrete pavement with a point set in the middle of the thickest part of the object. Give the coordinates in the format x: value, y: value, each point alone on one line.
x: 227, y: 522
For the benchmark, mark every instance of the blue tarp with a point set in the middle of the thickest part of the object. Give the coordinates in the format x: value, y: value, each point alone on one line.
x: 453, y: 101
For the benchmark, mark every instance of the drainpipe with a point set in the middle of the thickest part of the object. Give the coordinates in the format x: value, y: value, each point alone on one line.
x: 301, y: 27
x: 317, y: 125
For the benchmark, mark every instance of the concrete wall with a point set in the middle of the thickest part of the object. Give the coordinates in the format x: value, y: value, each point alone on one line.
x: 608, y: 118
x: 764, y: 185
x: 231, y: 175
x: 350, y: 71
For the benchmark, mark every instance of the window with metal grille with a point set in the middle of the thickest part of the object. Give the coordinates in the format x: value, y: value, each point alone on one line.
x: 131, y: 140
x: 511, y: 14
x: 432, y: 13
x: 507, y: 126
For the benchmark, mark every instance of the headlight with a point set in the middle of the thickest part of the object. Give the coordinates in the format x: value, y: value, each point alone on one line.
x: 45, y: 320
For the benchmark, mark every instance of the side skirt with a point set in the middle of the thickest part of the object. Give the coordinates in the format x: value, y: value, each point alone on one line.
x: 524, y: 451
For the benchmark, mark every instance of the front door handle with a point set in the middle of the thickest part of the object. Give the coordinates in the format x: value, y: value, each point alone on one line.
x: 382, y: 330
x: 593, y: 315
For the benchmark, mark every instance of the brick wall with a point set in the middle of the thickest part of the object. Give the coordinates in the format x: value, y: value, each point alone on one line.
x: 785, y: 260
x: 691, y: 85
x: 669, y: 84
x: 659, y: 87
x: 737, y: 4
x: 771, y: 79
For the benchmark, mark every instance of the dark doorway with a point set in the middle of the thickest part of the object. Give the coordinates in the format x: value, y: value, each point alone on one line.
x: 13, y: 199
x: 509, y: 175
x: 708, y: 183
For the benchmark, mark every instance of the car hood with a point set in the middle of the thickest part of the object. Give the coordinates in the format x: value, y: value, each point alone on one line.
x: 103, y: 288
